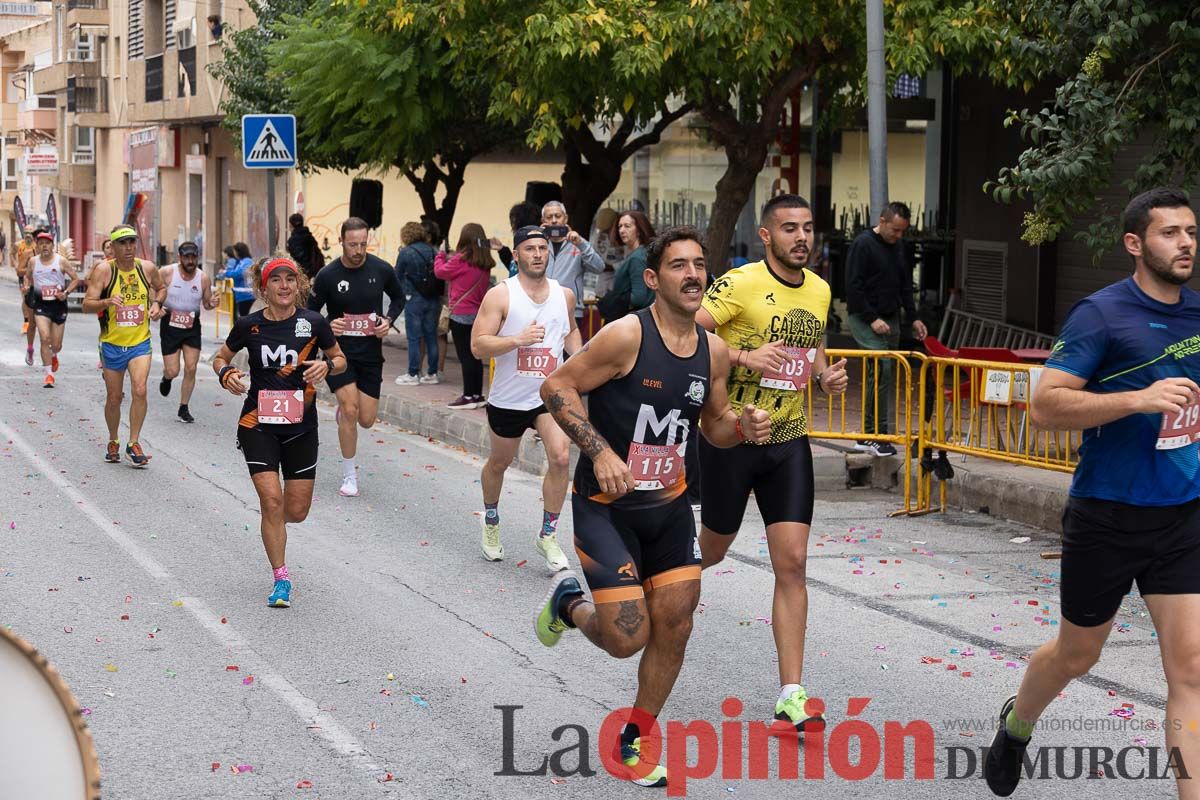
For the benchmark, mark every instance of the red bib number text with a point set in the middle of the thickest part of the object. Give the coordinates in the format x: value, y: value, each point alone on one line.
x: 359, y: 324
x: 794, y: 374
x: 280, y: 406
x: 1180, y: 428
x: 535, y: 362
x: 130, y: 316
x: 49, y: 292
x: 182, y: 319
x: 656, y: 466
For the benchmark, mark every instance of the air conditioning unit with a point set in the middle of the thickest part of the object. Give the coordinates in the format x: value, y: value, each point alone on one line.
x: 185, y: 38
x: 81, y: 54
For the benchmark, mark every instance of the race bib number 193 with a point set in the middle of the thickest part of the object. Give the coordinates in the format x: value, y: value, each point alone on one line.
x: 1180, y: 428
x: 359, y: 324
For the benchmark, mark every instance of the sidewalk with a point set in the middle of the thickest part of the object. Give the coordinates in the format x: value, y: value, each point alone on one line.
x: 1023, y: 494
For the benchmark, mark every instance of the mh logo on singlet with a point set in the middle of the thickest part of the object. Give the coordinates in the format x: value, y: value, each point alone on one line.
x: 280, y: 356
x: 675, y: 428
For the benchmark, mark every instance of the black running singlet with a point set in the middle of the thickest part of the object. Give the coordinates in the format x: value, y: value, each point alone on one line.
x: 646, y: 417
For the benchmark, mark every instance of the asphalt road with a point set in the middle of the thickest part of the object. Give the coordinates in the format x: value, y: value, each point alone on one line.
x: 402, y: 641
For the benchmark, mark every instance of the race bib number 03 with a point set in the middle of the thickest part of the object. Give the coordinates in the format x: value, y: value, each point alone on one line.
x: 1180, y: 428
x: 794, y: 374
x: 50, y: 292
x: 535, y: 362
x: 130, y: 316
x: 656, y: 466
x: 280, y: 406
x: 359, y: 324
x: 182, y: 319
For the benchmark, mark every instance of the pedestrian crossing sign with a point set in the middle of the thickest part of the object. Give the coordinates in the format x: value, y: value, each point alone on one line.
x: 268, y: 141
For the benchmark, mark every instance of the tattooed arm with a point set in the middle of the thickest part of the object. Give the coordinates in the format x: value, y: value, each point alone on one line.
x: 609, y: 355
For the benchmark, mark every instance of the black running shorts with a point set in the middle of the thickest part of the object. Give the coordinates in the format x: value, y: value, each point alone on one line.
x: 509, y: 424
x: 628, y: 552
x: 780, y: 475
x: 54, y: 310
x: 1108, y: 546
x: 366, y: 375
x: 173, y: 338
x: 294, y: 453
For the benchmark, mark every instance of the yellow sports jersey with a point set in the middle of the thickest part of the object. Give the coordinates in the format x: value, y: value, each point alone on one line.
x: 128, y: 324
x: 752, y: 307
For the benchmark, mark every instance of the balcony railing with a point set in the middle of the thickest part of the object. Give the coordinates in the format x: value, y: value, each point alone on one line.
x: 154, y: 78
x: 95, y: 4
x: 187, y: 72
x: 87, y: 95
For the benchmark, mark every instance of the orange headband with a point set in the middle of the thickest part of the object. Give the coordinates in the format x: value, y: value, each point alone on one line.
x: 274, y: 264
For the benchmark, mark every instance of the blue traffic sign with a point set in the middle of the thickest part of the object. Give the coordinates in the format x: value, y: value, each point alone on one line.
x: 268, y: 141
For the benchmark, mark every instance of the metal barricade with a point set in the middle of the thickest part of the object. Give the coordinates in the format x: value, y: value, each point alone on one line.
x: 844, y: 416
x: 225, y: 303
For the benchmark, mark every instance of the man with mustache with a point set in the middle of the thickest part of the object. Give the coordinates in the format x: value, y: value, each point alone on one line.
x: 879, y: 284
x: 1125, y: 370
x: 772, y: 315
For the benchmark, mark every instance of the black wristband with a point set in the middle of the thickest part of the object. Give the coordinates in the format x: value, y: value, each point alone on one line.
x: 221, y: 374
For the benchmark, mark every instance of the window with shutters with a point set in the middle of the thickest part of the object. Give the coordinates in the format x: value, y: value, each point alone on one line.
x: 985, y: 278
x: 169, y: 23
x: 137, y: 40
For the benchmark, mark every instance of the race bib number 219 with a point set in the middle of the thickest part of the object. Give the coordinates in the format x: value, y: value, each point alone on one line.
x: 1180, y: 428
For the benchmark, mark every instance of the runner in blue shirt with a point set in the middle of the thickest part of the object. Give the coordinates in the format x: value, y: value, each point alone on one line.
x: 1125, y: 369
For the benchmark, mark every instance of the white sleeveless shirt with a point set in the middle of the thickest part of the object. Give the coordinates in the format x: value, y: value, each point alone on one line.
x: 521, y: 372
x: 48, y: 274
x: 184, y: 295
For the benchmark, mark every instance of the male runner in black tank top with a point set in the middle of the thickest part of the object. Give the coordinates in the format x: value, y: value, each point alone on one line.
x: 652, y: 376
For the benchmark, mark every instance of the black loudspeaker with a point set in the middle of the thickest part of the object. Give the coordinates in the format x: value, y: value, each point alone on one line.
x: 366, y: 201
x: 541, y: 192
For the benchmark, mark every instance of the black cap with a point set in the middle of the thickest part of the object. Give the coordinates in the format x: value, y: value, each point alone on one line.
x: 189, y: 249
x: 527, y: 233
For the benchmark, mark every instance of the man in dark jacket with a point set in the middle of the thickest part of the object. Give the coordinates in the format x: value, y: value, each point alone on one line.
x: 414, y: 267
x: 879, y: 285
x: 303, y: 248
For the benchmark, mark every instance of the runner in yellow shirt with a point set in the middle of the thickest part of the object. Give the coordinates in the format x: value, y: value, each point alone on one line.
x: 772, y: 315
x: 127, y: 294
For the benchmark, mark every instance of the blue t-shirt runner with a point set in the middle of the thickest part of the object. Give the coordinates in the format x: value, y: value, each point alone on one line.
x: 1120, y: 339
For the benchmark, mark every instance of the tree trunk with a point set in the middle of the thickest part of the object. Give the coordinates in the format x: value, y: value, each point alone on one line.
x: 734, y: 189
x: 587, y: 186
x: 426, y: 185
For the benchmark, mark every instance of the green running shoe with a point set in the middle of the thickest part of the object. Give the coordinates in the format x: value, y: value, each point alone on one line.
x: 793, y: 711
x: 631, y: 756
x: 549, y: 625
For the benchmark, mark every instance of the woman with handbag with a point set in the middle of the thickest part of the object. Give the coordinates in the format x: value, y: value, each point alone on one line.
x: 466, y: 272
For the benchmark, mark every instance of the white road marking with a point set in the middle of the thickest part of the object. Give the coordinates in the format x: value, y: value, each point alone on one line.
x: 321, y: 722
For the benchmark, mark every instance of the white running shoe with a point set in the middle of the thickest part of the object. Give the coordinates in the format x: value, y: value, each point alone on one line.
x: 556, y: 561
x: 431, y: 378
x: 407, y: 380
x: 349, y: 486
x: 492, y: 549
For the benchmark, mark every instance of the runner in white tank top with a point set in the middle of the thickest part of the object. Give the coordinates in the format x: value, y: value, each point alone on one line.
x: 527, y: 324
x: 48, y: 280
x: 189, y: 292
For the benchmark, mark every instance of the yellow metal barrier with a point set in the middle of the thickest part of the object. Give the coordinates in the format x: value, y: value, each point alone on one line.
x: 224, y: 290
x: 982, y: 410
x: 844, y: 416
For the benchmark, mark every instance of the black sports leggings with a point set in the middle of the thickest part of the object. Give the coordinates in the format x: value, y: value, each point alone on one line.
x: 472, y: 367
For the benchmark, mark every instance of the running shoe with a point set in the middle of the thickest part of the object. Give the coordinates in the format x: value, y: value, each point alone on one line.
x: 407, y: 380
x: 877, y: 449
x: 113, y: 454
x: 464, y: 402
x: 349, y: 486
x: 431, y: 378
x: 29, y: 356
x: 54, y: 364
x: 133, y: 451
x: 281, y: 595
x: 492, y: 549
x: 185, y: 414
x: 548, y: 547
x: 631, y: 756
x: 549, y: 626
x: 164, y: 387
x: 49, y: 384
x: 1005, y: 758
x: 793, y: 711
